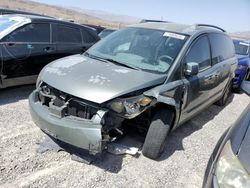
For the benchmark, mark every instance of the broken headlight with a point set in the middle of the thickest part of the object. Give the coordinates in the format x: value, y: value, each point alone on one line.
x: 229, y: 171
x: 130, y: 106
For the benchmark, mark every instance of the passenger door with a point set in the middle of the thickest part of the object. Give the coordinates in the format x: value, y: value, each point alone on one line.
x: 198, y: 88
x: 27, y: 50
x: 68, y: 40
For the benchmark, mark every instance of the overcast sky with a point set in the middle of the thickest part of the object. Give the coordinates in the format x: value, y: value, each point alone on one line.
x: 232, y: 15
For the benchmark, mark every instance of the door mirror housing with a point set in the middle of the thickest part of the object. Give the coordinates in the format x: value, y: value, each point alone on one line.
x: 191, y: 69
x: 245, y: 87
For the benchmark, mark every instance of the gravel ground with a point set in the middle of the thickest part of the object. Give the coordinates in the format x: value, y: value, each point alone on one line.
x: 182, y: 164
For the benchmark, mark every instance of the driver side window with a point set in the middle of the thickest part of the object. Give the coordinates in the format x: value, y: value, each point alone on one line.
x: 200, y: 53
x: 34, y: 32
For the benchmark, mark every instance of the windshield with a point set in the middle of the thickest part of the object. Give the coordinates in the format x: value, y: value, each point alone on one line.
x: 241, y: 48
x: 146, y: 49
x: 6, y: 22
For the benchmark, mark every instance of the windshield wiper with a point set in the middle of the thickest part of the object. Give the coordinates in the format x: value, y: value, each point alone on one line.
x: 95, y: 57
x: 111, y: 61
x: 121, y: 64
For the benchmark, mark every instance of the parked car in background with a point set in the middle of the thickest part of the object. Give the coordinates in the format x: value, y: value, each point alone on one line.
x: 229, y: 165
x: 106, y: 32
x: 28, y: 43
x: 98, y: 28
x: 4, y: 11
x: 242, y: 49
x: 153, y: 76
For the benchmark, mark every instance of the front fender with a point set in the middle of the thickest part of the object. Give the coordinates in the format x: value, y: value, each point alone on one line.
x: 167, y: 100
x: 170, y: 94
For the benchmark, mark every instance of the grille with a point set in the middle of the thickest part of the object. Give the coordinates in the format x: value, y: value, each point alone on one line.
x: 80, y: 109
x: 74, y: 106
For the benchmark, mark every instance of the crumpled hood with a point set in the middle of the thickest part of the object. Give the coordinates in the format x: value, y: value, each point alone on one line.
x: 95, y: 80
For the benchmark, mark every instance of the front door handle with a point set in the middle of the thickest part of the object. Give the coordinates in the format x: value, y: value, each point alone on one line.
x: 10, y: 43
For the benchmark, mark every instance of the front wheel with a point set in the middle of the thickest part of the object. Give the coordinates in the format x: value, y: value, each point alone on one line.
x: 157, y: 134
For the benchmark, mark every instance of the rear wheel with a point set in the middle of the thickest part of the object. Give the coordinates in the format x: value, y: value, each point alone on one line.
x: 157, y: 134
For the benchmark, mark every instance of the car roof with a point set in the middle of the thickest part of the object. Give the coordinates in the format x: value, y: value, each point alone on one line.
x: 178, y: 28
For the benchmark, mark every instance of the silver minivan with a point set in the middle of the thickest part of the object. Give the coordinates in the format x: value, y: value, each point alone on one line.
x: 155, y: 76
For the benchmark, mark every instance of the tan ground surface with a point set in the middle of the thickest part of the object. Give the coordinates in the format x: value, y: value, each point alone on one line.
x: 182, y: 164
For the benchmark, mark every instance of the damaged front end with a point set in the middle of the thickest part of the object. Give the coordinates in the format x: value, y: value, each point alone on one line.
x: 81, y: 123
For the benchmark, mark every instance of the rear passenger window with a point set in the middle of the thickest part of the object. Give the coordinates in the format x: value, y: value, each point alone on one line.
x: 31, y: 33
x: 66, y: 34
x: 222, y: 47
x: 87, y: 37
x: 200, y: 53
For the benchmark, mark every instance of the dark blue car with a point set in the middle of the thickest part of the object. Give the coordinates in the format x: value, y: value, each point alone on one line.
x: 242, y: 49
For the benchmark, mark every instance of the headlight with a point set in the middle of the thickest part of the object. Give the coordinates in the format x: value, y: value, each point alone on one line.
x: 229, y: 170
x: 131, y: 105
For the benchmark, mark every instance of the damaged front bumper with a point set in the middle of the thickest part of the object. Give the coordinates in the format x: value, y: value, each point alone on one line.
x: 82, y: 133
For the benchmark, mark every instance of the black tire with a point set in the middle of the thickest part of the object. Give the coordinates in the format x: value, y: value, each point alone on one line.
x: 157, y: 134
x: 227, y: 92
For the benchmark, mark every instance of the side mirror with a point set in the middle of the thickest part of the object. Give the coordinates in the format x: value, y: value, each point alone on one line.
x: 191, y: 69
x: 245, y: 87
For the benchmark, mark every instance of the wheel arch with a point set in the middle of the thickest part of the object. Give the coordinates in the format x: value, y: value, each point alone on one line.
x: 173, y: 106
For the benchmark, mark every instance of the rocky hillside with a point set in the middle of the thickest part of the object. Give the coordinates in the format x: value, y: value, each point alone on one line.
x: 241, y: 35
x: 80, y: 15
x: 59, y: 12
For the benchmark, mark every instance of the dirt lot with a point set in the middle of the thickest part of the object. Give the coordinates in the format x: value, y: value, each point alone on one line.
x: 182, y: 164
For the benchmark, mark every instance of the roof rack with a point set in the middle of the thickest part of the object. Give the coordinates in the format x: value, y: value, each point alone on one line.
x: 207, y: 25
